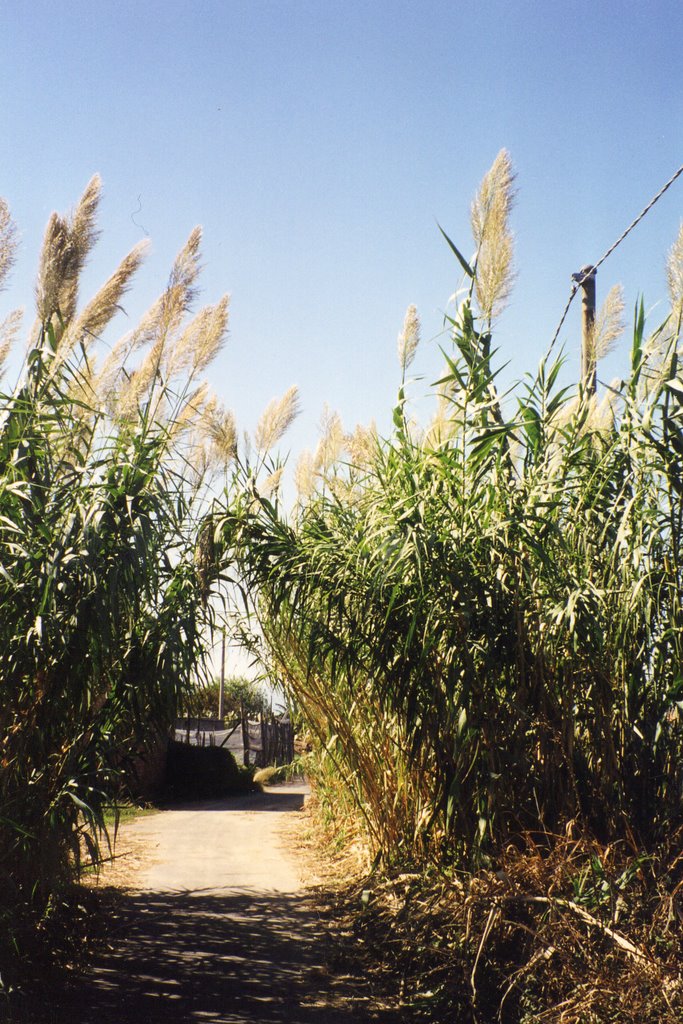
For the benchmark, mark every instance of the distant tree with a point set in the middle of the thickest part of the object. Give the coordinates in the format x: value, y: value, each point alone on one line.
x: 238, y: 693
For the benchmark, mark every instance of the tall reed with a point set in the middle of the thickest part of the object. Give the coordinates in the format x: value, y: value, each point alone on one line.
x: 101, y: 611
x: 481, y: 620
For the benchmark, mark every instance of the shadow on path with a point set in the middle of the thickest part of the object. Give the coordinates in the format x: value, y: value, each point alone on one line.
x: 217, y: 929
x: 268, y: 800
x: 226, y: 958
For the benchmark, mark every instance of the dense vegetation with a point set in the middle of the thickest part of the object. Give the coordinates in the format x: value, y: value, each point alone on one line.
x: 481, y: 620
x: 102, y: 584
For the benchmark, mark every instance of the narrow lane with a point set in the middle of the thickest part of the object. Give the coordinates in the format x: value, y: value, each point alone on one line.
x: 217, y: 928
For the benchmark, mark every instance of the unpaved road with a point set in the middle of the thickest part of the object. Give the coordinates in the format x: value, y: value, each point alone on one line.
x: 223, y: 845
x: 216, y: 927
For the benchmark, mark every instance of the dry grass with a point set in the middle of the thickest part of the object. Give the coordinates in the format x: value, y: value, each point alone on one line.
x: 567, y: 932
x: 329, y: 855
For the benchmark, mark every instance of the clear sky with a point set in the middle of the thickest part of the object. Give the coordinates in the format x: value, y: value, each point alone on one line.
x: 319, y: 141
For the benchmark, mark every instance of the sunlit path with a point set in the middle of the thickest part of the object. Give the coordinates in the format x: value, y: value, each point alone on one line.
x: 218, y: 927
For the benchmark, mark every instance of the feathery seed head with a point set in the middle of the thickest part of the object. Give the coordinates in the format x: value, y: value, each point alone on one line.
x: 362, y: 445
x: 147, y: 330
x: 409, y: 338
x: 166, y: 315
x: 304, y: 475
x: 161, y: 321
x: 127, y: 397
x: 84, y: 232
x: 9, y: 328
x: 108, y: 379
x: 271, y: 485
x: 215, y: 334
x: 609, y: 323
x: 191, y: 410
x: 8, y: 241
x: 101, y: 309
x: 221, y: 429
x: 186, y: 269
x: 490, y: 216
x: 66, y: 247
x: 674, y: 272
x: 201, y: 340
x: 331, y: 444
x: 658, y: 351
x: 57, y: 263
x: 276, y: 420
x: 139, y: 382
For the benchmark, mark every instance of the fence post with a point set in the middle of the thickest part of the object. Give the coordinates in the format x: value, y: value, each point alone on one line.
x: 265, y: 752
x: 221, y: 686
x: 589, y: 369
x: 245, y: 734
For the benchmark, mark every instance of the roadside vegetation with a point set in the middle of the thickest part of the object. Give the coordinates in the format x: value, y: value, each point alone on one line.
x: 477, y: 621
x: 240, y: 696
x: 106, y: 448
x: 480, y: 620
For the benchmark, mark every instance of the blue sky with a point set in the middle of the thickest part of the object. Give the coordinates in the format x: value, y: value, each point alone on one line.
x: 319, y: 142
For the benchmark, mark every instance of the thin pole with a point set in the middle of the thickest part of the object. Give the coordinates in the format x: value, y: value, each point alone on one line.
x: 221, y: 688
x: 245, y: 734
x: 585, y: 279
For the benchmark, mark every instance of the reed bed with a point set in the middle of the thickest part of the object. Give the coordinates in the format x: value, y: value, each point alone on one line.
x: 105, y: 448
x: 480, y: 619
x: 490, y: 606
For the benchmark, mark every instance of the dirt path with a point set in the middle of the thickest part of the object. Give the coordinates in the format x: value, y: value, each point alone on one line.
x: 216, y: 927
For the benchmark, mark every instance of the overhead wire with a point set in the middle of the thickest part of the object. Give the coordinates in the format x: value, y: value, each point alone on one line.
x: 579, y: 280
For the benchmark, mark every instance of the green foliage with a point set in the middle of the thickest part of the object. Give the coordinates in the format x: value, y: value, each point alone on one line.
x: 482, y: 624
x: 239, y: 695
x: 100, y: 613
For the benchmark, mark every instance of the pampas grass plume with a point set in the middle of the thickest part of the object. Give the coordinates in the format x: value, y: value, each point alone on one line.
x: 331, y: 444
x: 674, y: 271
x: 276, y: 419
x: 67, y: 244
x: 95, y: 316
x: 609, y: 323
x: 490, y: 215
x: 409, y: 338
x: 8, y: 241
x: 9, y: 328
x: 304, y: 475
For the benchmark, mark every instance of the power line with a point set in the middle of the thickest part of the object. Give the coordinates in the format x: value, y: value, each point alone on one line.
x: 591, y: 270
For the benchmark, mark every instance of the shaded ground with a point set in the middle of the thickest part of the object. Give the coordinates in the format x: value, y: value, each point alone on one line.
x: 218, y: 927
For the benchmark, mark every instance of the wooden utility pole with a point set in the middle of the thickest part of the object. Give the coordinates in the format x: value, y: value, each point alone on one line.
x: 585, y: 278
